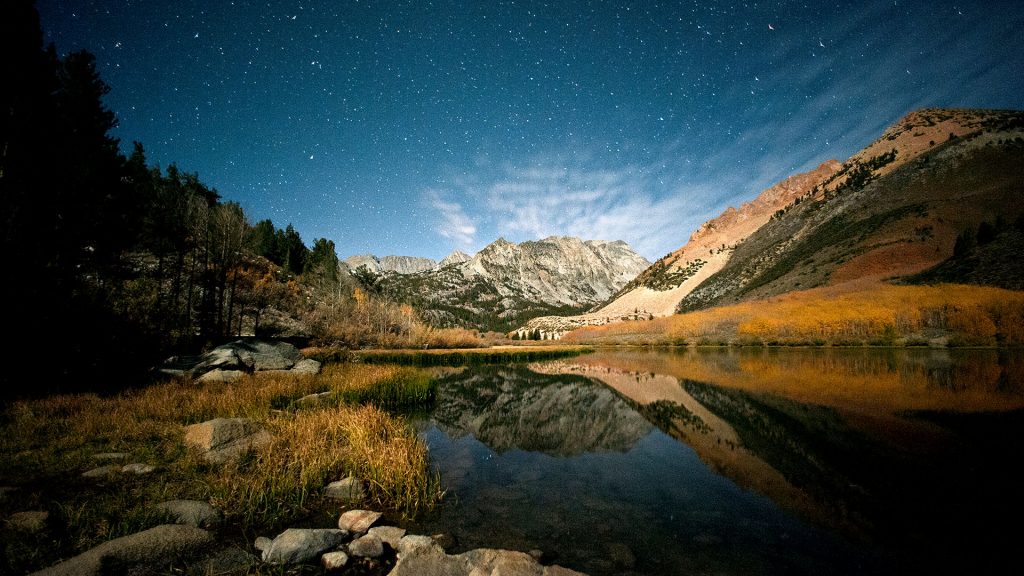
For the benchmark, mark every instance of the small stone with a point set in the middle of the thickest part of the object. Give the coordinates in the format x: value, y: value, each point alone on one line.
x: 110, y: 456
x: 102, y: 471
x: 390, y: 535
x: 346, y: 490
x: 559, y: 571
x: 334, y: 560
x: 298, y: 546
x: 31, y: 522
x: 262, y: 543
x: 536, y: 554
x: 137, y: 468
x: 358, y: 521
x: 368, y: 546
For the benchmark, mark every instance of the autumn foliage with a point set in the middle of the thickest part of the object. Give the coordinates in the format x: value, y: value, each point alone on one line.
x: 951, y: 314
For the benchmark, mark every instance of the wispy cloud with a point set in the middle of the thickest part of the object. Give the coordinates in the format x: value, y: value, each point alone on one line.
x: 541, y: 200
x: 453, y: 222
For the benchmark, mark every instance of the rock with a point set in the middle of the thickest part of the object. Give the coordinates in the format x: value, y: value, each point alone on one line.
x: 102, y: 471
x: 220, y: 358
x: 219, y: 375
x: 504, y: 562
x: 144, y: 552
x: 263, y: 355
x: 390, y: 535
x: 416, y: 544
x: 262, y: 544
x: 334, y: 560
x: 421, y: 556
x: 358, y: 521
x: 349, y: 490
x: 297, y: 545
x: 30, y: 522
x: 192, y: 513
x: 137, y: 468
x: 309, y: 400
x: 110, y: 456
x: 368, y: 546
x: 306, y: 366
x: 224, y: 439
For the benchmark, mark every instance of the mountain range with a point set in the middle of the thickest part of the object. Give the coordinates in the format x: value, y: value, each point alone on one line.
x: 935, y: 198
x: 504, y: 284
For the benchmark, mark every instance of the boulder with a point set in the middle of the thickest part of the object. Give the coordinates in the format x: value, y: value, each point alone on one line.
x: 358, y: 521
x: 264, y: 355
x: 306, y: 366
x: 192, y: 513
x: 224, y: 439
x: 347, y: 490
x: 220, y: 358
x: 143, y: 552
x: 218, y: 375
x: 30, y: 522
x: 390, y: 535
x: 298, y: 545
x: 421, y: 556
x: 367, y: 546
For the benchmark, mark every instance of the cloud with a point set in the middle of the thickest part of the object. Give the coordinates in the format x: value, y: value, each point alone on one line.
x: 453, y: 223
x: 525, y: 203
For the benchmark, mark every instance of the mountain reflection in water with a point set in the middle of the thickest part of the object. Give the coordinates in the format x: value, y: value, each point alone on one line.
x: 736, y: 461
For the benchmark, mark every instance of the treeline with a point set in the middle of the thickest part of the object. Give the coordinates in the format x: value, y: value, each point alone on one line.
x: 111, y: 262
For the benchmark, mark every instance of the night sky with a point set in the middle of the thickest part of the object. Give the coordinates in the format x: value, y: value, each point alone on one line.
x: 419, y: 127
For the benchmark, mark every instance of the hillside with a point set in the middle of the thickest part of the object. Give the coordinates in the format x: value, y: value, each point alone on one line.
x: 896, y: 208
x: 505, y: 284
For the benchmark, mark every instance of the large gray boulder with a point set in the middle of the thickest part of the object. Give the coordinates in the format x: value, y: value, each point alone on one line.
x: 224, y: 439
x: 264, y: 355
x: 242, y: 356
x: 298, y: 546
x: 151, y: 549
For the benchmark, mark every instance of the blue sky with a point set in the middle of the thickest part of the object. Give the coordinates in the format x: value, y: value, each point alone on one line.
x: 416, y: 128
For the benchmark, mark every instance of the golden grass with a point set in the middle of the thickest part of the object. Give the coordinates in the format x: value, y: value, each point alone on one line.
x: 45, y: 441
x: 953, y: 314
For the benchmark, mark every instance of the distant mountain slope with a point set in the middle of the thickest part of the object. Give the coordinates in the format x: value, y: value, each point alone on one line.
x: 505, y: 284
x: 895, y: 208
x: 885, y: 214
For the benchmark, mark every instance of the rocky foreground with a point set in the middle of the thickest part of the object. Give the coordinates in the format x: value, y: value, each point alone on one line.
x: 356, y: 546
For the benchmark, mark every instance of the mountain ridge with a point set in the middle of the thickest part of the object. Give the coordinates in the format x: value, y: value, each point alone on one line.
x: 505, y: 284
x: 701, y: 272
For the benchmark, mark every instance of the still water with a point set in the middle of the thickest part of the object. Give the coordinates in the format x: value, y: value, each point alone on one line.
x: 737, y: 461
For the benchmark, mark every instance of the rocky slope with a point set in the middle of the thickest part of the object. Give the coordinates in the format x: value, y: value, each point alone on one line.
x: 399, y: 264
x: 894, y: 208
x: 505, y: 284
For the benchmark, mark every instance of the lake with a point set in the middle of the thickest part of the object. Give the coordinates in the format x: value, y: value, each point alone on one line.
x: 736, y: 461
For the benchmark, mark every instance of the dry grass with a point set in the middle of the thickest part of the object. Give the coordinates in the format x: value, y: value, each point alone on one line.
x: 46, y: 443
x: 955, y: 315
